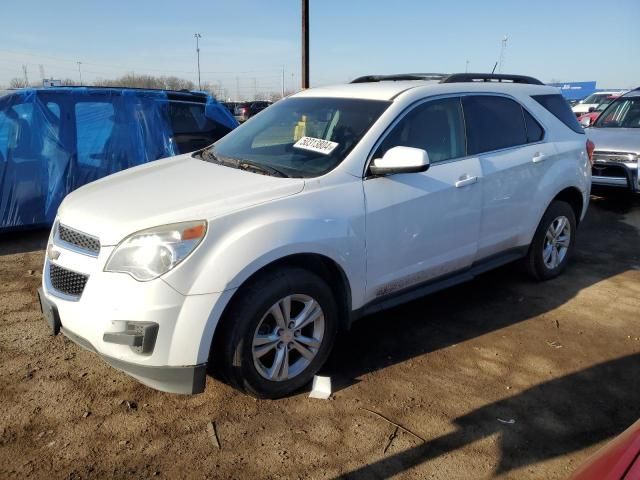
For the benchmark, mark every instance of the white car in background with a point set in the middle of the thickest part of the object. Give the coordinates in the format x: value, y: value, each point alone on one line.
x: 252, y: 255
x: 591, y: 102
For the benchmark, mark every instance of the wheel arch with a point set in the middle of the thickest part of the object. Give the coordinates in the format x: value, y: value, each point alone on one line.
x: 323, y: 266
x: 572, y: 196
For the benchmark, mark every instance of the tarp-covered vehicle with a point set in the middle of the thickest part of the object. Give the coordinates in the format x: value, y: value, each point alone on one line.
x: 54, y: 140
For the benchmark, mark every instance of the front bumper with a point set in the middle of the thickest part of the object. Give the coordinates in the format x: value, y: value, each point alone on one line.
x: 615, y: 175
x: 146, y: 329
x: 188, y: 380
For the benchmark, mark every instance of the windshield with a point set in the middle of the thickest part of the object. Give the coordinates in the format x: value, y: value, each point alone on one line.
x: 623, y: 112
x: 595, y: 98
x: 300, y: 137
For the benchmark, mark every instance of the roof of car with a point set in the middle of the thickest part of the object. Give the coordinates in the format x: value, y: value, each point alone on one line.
x: 388, y: 90
x: 82, y: 88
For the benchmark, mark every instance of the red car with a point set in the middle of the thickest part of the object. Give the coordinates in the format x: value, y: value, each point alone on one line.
x: 587, y: 119
x: 617, y: 460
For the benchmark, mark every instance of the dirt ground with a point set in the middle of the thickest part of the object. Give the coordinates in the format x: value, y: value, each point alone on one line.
x: 501, y: 377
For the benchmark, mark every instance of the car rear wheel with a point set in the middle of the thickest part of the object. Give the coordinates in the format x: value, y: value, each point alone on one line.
x: 553, y: 242
x: 278, y: 333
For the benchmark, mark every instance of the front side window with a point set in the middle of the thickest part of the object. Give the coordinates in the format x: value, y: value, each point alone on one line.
x: 623, y: 112
x: 436, y: 126
x: 493, y: 123
x: 595, y: 98
x: 300, y: 137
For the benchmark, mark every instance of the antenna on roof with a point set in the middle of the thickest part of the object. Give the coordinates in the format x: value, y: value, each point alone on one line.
x: 503, y: 47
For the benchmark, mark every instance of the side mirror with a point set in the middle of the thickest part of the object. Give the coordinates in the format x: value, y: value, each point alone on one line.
x: 401, y: 160
x: 592, y: 109
x: 585, y: 122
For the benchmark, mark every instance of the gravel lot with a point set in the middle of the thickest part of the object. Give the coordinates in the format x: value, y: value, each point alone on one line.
x: 501, y: 377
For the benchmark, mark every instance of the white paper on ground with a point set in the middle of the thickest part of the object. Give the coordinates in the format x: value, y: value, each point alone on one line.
x: 321, y: 387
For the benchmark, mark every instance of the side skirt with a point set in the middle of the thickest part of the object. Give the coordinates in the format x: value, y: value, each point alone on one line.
x: 431, y: 286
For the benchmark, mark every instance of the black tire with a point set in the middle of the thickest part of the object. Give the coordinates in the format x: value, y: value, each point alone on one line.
x: 534, y: 261
x: 232, y: 352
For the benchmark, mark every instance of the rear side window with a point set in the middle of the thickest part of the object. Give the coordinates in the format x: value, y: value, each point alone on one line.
x: 556, y: 104
x: 493, y: 123
x: 535, y: 133
x: 95, y: 132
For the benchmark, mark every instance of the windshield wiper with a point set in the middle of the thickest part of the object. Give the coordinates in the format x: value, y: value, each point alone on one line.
x: 209, y: 156
x: 245, y: 165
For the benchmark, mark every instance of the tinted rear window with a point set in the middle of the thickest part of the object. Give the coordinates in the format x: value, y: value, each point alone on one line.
x: 556, y: 104
x: 493, y: 123
x: 535, y: 133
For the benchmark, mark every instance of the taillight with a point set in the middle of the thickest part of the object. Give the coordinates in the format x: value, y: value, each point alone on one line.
x: 590, y: 148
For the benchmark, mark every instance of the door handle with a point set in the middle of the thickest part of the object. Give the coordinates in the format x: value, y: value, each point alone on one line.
x: 538, y: 157
x: 466, y: 180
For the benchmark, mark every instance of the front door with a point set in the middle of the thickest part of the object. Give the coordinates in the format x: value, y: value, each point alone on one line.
x: 421, y: 226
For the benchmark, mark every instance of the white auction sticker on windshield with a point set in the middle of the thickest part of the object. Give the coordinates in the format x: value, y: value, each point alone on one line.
x: 316, y: 145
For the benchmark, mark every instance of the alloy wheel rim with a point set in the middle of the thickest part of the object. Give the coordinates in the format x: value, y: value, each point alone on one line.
x: 556, y: 242
x: 288, y: 337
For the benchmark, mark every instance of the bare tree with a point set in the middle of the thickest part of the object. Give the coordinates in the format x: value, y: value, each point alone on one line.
x: 17, y: 83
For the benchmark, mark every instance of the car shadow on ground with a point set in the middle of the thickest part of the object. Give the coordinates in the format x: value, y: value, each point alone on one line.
x: 490, y: 302
x: 23, y: 241
x: 548, y: 423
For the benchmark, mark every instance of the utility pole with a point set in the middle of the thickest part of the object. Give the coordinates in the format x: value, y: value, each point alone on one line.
x: 198, y: 37
x: 466, y: 68
x: 255, y: 88
x: 305, y: 44
x: 282, y: 93
x: 26, y: 76
x: 237, y: 88
x: 80, y: 71
x: 503, y: 47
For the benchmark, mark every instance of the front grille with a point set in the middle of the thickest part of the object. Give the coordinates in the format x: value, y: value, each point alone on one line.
x: 621, y: 157
x: 81, y: 240
x: 67, y: 281
x: 609, y: 171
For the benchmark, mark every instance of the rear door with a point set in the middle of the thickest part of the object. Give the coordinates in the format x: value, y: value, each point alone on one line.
x: 509, y: 142
x: 420, y: 226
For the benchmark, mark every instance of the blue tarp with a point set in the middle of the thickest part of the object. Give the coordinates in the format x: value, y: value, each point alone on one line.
x: 53, y: 141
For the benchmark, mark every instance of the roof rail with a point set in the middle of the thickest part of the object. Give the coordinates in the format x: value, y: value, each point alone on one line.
x: 490, y: 77
x: 399, y: 77
x: 115, y: 87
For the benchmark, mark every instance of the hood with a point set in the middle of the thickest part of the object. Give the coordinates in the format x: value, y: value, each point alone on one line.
x: 615, y: 139
x: 583, y: 107
x: 167, y: 191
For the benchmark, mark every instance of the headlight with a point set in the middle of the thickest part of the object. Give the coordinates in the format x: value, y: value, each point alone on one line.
x: 147, y: 254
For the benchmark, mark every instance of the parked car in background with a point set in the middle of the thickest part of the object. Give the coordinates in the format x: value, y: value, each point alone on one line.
x: 587, y: 119
x: 54, y: 140
x: 244, y: 111
x: 616, y: 134
x: 253, y: 254
x: 592, y: 101
x: 617, y: 460
x: 231, y: 106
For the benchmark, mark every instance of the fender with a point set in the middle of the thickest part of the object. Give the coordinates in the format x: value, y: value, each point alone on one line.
x: 315, y: 221
x: 562, y: 174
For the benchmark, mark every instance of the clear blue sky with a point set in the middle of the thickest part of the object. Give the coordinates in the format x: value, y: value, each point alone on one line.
x: 254, y: 39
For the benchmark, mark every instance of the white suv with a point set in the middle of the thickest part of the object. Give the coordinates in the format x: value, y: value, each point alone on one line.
x: 253, y: 254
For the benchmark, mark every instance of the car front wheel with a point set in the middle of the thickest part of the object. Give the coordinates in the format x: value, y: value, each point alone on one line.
x: 278, y: 333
